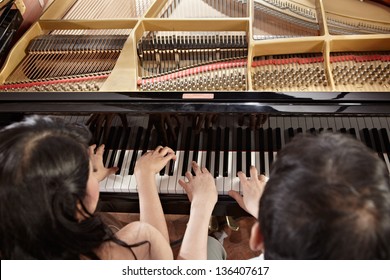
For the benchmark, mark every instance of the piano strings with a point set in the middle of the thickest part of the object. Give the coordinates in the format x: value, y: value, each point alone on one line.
x: 220, y: 60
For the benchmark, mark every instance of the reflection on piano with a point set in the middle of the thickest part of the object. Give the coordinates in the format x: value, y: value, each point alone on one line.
x: 224, y: 83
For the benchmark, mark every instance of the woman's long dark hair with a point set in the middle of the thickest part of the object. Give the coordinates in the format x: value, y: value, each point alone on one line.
x: 43, y: 175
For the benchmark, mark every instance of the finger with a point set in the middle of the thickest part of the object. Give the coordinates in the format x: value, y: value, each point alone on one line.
x: 158, y: 149
x: 112, y: 170
x: 184, y: 185
x: 196, y: 168
x: 204, y: 170
x: 168, y: 157
x: 100, y: 150
x: 241, y: 175
x: 189, y: 176
x: 91, y: 149
x: 263, y: 178
x: 166, y: 150
x: 186, y: 188
x: 237, y: 197
x: 253, y: 172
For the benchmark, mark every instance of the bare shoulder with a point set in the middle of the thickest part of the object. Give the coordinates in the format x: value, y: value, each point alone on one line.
x: 143, y: 240
x: 136, y: 232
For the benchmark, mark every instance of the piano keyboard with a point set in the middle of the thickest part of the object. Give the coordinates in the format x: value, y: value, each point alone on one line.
x: 225, y: 148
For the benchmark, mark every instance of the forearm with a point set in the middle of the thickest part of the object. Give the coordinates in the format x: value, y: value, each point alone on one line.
x: 151, y: 211
x: 194, y: 245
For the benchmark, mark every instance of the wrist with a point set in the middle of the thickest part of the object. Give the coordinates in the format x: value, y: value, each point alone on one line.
x: 199, y: 205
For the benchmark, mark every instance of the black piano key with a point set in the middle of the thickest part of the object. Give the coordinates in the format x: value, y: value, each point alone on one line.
x: 343, y: 130
x: 367, y: 138
x: 290, y: 133
x: 248, y: 148
x: 210, y: 138
x: 136, y: 149
x: 321, y: 129
x: 377, y: 143
x: 145, y: 145
x: 386, y: 142
x: 187, y: 148
x: 123, y: 147
x: 278, y: 135
x: 299, y: 130
x: 171, y: 168
x: 262, y: 148
x: 218, y: 144
x: 239, y: 150
x: 195, y: 153
x: 352, y: 131
x: 115, y: 145
x: 160, y: 141
x: 313, y: 131
x: 226, y: 152
x: 270, y: 146
x: 108, y: 144
x: 99, y: 138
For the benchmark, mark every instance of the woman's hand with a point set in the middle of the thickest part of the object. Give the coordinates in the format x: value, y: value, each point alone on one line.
x: 200, y: 188
x: 252, y: 189
x: 99, y: 170
x: 152, y: 162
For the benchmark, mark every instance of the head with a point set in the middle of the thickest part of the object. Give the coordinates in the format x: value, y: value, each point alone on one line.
x: 47, y: 191
x: 328, y: 197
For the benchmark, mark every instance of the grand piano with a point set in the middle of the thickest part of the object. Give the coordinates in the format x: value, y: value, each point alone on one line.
x: 224, y: 83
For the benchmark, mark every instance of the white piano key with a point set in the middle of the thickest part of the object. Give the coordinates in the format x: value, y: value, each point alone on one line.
x: 332, y: 124
x: 309, y: 123
x: 324, y: 123
x: 266, y: 159
x: 133, y: 181
x: 124, y: 172
x: 178, y: 170
x: 302, y: 124
x: 317, y: 123
x: 346, y: 124
x: 235, y: 184
x: 212, y: 163
x: 164, y: 182
x: 189, y: 163
x: 202, y: 159
x: 219, y: 181
x: 354, y: 124
x: 294, y: 123
x: 243, y: 161
x: 109, y: 155
x: 227, y: 181
x: 338, y: 123
x: 110, y: 183
x: 118, y: 179
x: 174, y: 179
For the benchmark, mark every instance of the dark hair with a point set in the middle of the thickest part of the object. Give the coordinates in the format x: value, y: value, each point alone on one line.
x: 328, y: 197
x: 43, y: 175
